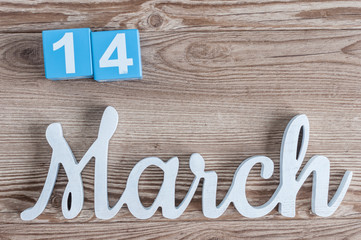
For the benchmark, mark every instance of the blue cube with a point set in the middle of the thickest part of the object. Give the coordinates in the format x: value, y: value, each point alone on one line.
x: 67, y: 54
x: 116, y: 55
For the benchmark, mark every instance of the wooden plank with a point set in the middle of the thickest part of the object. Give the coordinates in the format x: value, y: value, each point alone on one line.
x: 227, y: 96
x: 286, y: 229
x: 155, y: 15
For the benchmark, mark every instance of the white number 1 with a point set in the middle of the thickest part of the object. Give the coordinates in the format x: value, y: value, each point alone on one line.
x: 68, y: 43
x: 122, y: 62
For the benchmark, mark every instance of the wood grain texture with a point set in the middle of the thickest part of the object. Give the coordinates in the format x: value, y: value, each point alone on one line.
x: 188, y: 15
x: 210, y: 86
x: 349, y: 229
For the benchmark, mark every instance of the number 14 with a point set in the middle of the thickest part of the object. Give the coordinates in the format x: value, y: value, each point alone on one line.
x: 81, y: 53
x: 118, y: 44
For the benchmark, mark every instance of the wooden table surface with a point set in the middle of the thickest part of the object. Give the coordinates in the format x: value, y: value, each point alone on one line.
x: 221, y: 78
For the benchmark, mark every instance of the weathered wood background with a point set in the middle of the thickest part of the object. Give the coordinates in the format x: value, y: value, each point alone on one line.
x: 221, y: 78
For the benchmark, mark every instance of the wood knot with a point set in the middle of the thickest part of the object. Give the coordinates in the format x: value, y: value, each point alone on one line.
x: 55, y: 200
x: 207, y: 51
x: 27, y: 53
x: 23, y: 55
x: 30, y: 55
x: 155, y: 20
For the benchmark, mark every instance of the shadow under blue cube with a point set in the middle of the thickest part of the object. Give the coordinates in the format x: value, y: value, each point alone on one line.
x: 67, y: 54
x: 116, y: 55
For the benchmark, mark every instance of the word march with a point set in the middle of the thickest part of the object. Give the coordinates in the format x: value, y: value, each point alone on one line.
x: 285, y: 195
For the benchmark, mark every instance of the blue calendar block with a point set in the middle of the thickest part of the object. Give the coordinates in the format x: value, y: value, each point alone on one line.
x: 116, y: 55
x: 67, y: 54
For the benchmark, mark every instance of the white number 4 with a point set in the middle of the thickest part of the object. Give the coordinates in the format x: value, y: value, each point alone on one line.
x: 122, y: 62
